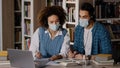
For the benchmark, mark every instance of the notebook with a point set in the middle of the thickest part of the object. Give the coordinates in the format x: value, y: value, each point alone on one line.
x: 24, y: 59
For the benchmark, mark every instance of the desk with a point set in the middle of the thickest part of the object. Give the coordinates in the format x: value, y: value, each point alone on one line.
x: 6, y: 64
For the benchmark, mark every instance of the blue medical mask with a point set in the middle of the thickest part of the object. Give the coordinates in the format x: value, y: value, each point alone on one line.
x: 83, y: 22
x: 54, y: 27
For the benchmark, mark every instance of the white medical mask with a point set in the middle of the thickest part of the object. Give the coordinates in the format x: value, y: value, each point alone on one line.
x: 83, y: 22
x: 54, y: 27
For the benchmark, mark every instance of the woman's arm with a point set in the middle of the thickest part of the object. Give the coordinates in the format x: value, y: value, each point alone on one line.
x: 34, y: 46
x: 65, y: 46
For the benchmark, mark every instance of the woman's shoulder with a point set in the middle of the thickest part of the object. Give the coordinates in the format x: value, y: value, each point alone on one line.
x: 41, y: 29
x: 64, y: 31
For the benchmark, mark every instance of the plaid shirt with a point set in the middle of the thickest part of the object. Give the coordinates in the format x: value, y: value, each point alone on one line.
x: 101, y: 42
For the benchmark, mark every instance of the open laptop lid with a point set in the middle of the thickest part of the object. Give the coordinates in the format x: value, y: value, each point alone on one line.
x: 21, y: 58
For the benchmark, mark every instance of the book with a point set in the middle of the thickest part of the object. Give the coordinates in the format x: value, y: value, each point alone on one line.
x: 103, y: 57
x: 71, y: 32
x: 3, y: 55
x: 4, y: 62
x: 19, y: 4
x: 109, y: 62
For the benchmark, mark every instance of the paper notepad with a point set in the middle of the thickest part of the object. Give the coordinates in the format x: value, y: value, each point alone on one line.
x: 67, y: 62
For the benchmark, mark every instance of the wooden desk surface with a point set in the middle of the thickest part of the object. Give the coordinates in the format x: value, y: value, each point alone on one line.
x: 6, y: 64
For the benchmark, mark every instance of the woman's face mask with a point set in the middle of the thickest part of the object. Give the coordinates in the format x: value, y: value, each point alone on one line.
x: 53, y: 26
x: 83, y: 22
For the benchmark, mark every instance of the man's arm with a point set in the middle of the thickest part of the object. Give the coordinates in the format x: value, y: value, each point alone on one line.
x: 105, y: 42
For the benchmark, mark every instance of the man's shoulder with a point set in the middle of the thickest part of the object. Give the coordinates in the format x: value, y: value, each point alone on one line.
x: 78, y: 27
x: 99, y: 25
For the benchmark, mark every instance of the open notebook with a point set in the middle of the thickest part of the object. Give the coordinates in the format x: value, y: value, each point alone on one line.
x: 24, y: 59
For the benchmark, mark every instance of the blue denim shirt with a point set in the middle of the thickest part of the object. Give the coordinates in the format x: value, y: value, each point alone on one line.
x: 101, y: 41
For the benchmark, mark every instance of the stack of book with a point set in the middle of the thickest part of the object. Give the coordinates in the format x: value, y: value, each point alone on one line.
x: 3, y: 55
x: 103, y: 59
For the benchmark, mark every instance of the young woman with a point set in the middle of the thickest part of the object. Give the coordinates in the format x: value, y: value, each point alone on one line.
x: 50, y: 40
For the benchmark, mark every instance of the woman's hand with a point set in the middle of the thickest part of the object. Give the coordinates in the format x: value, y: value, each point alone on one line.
x: 55, y: 57
x: 71, y: 54
x: 38, y: 55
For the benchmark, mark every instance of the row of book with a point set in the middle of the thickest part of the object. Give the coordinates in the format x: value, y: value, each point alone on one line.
x: 27, y: 9
x: 17, y: 19
x: 71, y: 32
x: 27, y: 43
x: 107, y: 9
x: 27, y: 25
x: 70, y: 14
x: 54, y: 2
x: 3, y: 55
x: 17, y: 4
x: 18, y: 35
x: 70, y: 0
x: 114, y: 30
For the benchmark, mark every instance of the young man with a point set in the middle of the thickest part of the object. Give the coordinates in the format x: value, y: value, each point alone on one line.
x: 91, y: 37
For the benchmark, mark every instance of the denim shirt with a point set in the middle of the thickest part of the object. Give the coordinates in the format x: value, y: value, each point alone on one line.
x: 101, y: 41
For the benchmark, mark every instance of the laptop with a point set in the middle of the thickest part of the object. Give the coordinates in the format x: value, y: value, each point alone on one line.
x: 24, y: 59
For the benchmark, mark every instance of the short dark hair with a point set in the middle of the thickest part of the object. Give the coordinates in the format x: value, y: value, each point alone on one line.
x: 88, y: 7
x: 51, y: 10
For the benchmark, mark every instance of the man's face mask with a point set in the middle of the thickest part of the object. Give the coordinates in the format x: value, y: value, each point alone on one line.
x: 54, y: 27
x: 83, y: 22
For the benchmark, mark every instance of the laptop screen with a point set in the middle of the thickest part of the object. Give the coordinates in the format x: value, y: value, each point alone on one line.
x: 21, y: 58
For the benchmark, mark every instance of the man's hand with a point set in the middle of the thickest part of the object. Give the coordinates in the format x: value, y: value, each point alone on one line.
x: 79, y: 56
x: 71, y: 54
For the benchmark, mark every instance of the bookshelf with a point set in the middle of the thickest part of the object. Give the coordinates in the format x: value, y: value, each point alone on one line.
x: 108, y: 12
x: 72, y: 9
x: 17, y: 24
x: 27, y: 22
x: 30, y: 9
